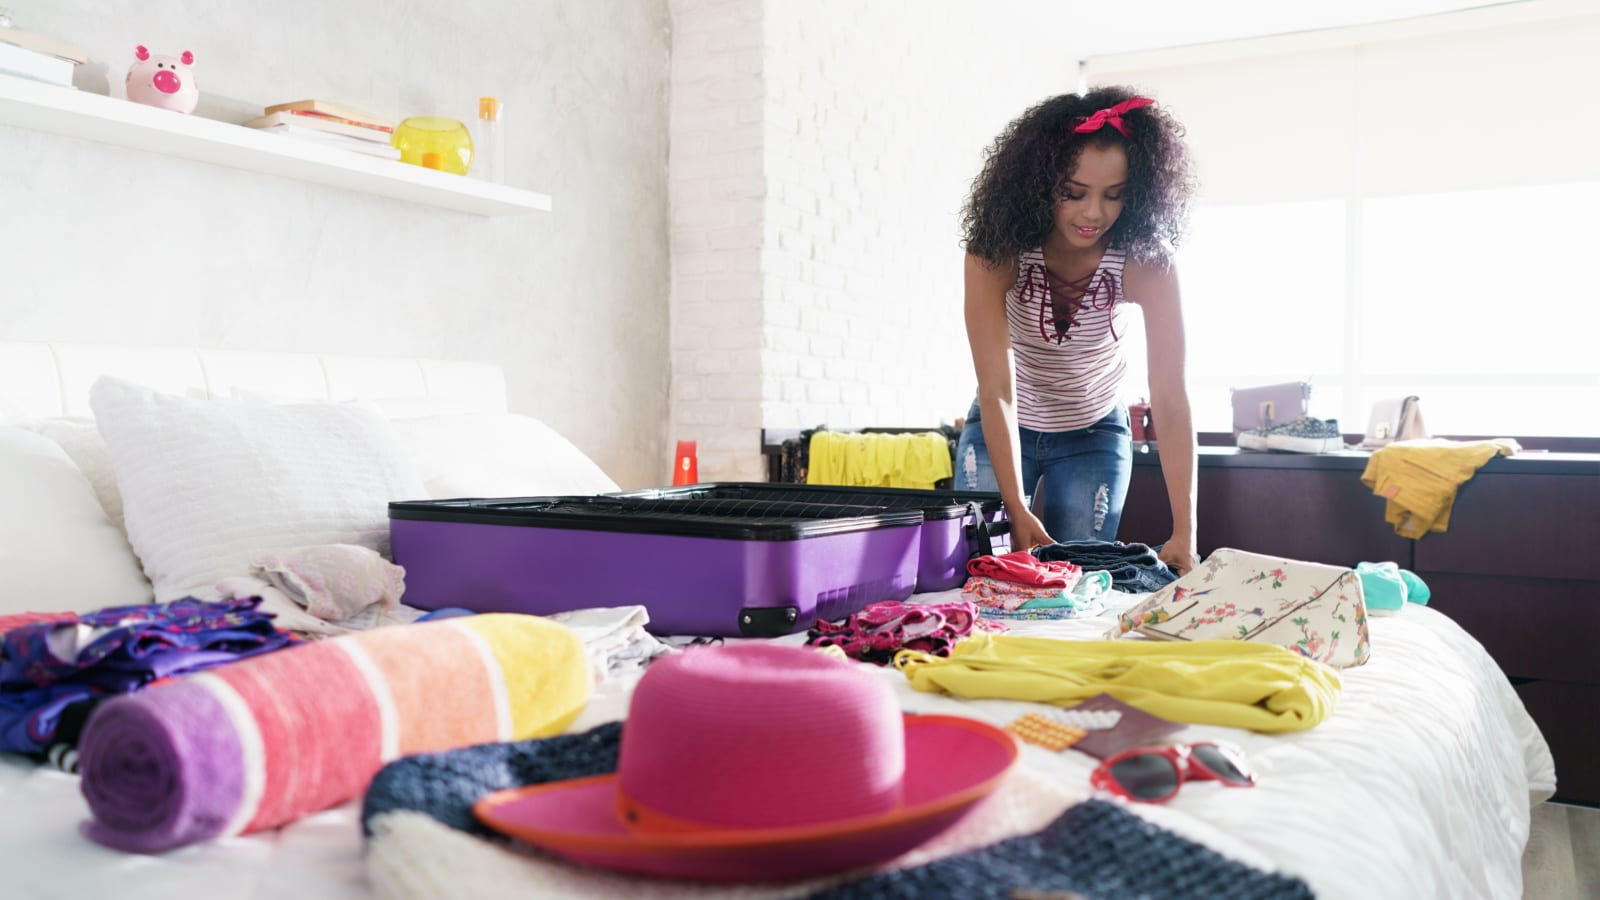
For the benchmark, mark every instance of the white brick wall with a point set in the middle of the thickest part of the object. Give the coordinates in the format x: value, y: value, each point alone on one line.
x: 716, y: 194
x: 820, y: 155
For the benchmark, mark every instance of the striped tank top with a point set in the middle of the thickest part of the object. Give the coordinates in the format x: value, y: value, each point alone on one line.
x: 1069, y: 356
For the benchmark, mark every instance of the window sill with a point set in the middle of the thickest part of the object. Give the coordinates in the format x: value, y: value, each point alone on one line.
x: 1529, y: 462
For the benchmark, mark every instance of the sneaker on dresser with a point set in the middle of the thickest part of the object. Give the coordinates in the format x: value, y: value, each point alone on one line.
x: 1253, y: 439
x: 1307, y: 435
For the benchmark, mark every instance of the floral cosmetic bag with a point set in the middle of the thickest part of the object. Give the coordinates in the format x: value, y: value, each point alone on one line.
x: 1313, y: 609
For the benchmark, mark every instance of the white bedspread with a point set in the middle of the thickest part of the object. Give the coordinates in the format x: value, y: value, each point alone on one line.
x: 1417, y: 787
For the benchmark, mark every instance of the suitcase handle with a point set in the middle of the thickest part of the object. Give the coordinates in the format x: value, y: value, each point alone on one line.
x: 982, y: 531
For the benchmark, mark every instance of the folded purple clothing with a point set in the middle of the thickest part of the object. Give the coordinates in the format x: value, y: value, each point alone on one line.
x: 47, y: 666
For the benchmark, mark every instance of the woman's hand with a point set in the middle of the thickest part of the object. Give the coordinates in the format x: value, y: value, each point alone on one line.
x: 1027, y: 532
x: 1178, y: 554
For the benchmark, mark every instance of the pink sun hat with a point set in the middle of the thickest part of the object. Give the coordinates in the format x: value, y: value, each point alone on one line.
x: 757, y: 762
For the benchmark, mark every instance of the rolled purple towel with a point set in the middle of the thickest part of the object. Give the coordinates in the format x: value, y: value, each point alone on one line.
x: 260, y: 743
x: 167, y: 769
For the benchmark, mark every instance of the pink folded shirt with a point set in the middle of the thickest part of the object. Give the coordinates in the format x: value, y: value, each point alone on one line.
x: 1022, y: 567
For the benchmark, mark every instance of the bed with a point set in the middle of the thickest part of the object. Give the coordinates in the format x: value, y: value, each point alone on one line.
x: 1419, y: 785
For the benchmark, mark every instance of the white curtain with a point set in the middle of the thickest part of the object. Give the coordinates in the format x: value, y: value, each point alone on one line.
x: 1407, y: 208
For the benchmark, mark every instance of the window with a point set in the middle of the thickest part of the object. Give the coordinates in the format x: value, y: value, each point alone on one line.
x: 1394, y: 210
x: 1479, y: 301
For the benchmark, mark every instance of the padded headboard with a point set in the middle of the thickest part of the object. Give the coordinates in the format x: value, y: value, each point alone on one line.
x: 47, y: 380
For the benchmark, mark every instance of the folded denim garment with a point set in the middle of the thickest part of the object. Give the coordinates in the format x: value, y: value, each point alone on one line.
x: 1134, y: 568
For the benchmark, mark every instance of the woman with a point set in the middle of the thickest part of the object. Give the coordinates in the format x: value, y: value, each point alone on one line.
x: 1068, y: 222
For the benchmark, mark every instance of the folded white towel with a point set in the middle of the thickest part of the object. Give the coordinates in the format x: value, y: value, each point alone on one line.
x: 614, y: 638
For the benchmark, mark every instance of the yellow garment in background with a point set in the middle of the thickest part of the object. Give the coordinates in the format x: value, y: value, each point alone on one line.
x: 1418, y: 479
x: 879, y: 460
x: 1260, y: 687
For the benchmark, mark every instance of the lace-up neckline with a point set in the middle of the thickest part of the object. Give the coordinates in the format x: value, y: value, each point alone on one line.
x: 1061, y: 300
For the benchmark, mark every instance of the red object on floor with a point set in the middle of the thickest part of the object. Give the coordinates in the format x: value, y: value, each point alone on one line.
x: 686, y: 465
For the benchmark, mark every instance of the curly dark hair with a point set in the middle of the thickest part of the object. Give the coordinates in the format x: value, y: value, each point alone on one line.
x: 1010, y: 209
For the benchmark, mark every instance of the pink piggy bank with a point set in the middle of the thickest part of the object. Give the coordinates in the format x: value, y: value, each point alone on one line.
x: 163, y: 81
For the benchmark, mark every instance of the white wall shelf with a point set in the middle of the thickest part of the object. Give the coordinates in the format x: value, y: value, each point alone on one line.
x: 121, y: 123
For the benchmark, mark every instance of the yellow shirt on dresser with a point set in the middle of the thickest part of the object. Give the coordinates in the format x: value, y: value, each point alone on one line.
x: 917, y: 460
x: 1238, y: 684
x: 1418, y: 479
x: 924, y: 460
x: 826, y: 458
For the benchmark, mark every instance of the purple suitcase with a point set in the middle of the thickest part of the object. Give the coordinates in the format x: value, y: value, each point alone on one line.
x: 956, y: 525
x: 700, y: 566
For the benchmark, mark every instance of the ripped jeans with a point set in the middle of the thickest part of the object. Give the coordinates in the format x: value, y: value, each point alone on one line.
x: 1077, y: 480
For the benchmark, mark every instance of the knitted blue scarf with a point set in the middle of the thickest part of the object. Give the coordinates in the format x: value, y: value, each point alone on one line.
x: 1094, y: 851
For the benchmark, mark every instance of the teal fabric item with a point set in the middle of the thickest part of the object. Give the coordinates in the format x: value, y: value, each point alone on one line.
x: 1387, y: 587
x: 1091, y: 587
x: 1382, y: 586
x: 1056, y: 602
x: 1416, y: 590
x: 1092, y: 584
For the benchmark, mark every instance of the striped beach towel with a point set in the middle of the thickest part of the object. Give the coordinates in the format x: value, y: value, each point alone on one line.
x: 259, y: 743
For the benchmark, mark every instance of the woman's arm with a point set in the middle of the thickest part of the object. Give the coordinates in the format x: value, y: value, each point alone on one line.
x: 1155, y: 288
x: 990, y: 339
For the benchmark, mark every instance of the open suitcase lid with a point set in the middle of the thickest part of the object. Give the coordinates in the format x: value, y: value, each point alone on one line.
x: 934, y: 505
x: 741, y: 518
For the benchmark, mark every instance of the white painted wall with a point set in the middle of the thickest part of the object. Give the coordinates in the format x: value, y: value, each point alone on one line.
x: 816, y: 187
x: 105, y: 245
x: 718, y: 202
x: 1099, y: 27
x: 819, y: 154
x: 816, y: 179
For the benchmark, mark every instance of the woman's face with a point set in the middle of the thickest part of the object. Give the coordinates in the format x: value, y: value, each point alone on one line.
x: 1090, y: 197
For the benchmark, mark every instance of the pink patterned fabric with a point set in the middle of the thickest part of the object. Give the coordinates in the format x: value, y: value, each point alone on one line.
x: 1022, y: 567
x: 1008, y: 595
x: 877, y: 633
x: 8, y: 623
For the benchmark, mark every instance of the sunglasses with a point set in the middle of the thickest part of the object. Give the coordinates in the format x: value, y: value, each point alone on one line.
x: 1154, y: 774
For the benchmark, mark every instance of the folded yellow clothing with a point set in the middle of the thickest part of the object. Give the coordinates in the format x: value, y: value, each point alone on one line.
x: 1418, y: 479
x: 1238, y: 684
x: 914, y: 460
x: 829, y: 454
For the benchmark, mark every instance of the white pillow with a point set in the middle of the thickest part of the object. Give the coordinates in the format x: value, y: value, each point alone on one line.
x: 497, y: 455
x: 57, y: 551
x: 391, y: 407
x: 209, y: 485
x: 83, y: 443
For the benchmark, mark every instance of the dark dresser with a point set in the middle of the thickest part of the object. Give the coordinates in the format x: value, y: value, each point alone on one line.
x: 1519, y: 567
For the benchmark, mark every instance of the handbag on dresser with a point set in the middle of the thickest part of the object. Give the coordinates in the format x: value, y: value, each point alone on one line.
x: 1269, y: 405
x: 1394, y: 419
x: 1313, y: 609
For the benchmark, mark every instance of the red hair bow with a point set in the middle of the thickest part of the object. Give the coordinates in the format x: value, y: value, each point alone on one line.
x: 1112, y: 115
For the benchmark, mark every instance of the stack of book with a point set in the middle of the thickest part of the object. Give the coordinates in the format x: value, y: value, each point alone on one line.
x: 34, y: 56
x: 329, y: 124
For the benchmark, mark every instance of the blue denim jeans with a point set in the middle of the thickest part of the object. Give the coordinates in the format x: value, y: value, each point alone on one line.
x: 1134, y: 567
x: 1077, y: 480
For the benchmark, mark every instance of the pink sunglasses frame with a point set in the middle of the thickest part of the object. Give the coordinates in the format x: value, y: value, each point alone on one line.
x: 1184, y: 763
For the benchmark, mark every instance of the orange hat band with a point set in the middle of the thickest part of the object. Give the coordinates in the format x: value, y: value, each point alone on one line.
x: 642, y: 818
